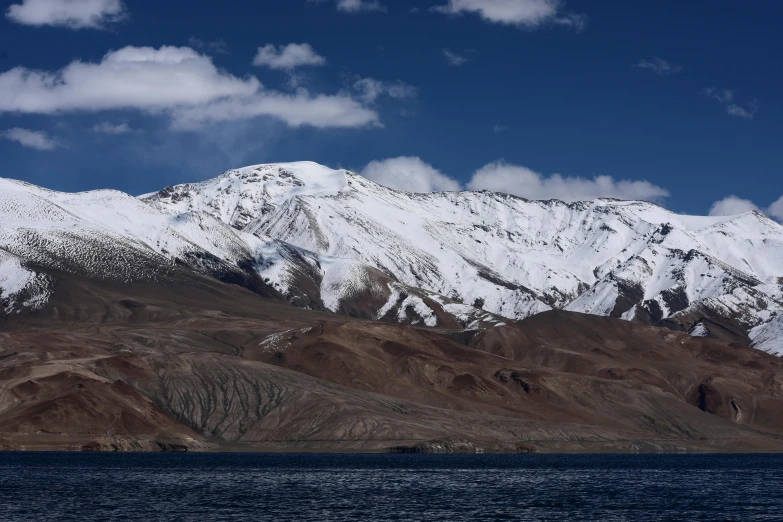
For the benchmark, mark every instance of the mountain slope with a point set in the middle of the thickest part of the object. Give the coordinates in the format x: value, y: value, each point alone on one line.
x: 514, y: 257
x: 197, y: 364
x: 108, y: 235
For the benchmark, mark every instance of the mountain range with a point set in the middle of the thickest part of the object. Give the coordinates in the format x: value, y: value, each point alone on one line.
x: 293, y: 307
x: 333, y: 240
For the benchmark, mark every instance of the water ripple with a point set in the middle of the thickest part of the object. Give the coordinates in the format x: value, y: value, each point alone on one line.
x: 86, y: 487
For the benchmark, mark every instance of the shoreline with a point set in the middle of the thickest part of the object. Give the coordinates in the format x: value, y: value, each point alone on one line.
x: 635, y: 447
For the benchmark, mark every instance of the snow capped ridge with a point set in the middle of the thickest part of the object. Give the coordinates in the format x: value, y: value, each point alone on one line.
x: 334, y: 240
x: 510, y: 256
x: 109, y: 235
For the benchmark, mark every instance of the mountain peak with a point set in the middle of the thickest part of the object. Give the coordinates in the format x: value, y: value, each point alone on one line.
x: 238, y: 195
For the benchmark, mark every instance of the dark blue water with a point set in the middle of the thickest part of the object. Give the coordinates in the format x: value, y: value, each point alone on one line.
x: 59, y: 486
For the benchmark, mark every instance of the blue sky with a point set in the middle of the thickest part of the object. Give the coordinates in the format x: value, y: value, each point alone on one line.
x: 677, y: 102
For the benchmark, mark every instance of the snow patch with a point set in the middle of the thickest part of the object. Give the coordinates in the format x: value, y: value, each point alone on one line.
x: 343, y: 279
x: 21, y: 288
x: 769, y: 337
x: 282, y: 340
x: 414, y: 302
x: 598, y: 301
x: 699, y: 331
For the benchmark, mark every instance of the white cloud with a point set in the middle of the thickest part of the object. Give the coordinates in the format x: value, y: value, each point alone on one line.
x: 726, y: 98
x: 776, y: 209
x: 288, y: 57
x: 357, y: 6
x: 132, y: 77
x: 499, y: 128
x: 370, y: 90
x: 74, y: 14
x: 410, y: 174
x: 722, y: 95
x: 734, y: 205
x: 528, y: 14
x: 296, y: 110
x: 31, y: 139
x: 112, y: 128
x: 740, y: 112
x: 414, y: 175
x: 176, y: 81
x: 658, y: 66
x: 453, y: 58
x: 576, y: 21
x: 523, y: 182
x: 400, y: 90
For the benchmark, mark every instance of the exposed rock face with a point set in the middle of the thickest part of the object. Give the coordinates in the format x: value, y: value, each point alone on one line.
x: 196, y: 364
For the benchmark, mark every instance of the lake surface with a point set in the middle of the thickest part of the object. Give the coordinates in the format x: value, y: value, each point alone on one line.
x: 203, y: 487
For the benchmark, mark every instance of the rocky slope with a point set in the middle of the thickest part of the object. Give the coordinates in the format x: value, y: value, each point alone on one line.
x: 720, y: 277
x: 190, y: 363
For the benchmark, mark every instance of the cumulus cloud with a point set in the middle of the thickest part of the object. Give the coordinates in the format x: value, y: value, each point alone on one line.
x: 74, y: 14
x: 726, y: 98
x: 527, y: 14
x: 734, y: 205
x: 453, y: 58
x: 370, y: 90
x: 523, y: 182
x: 658, y: 66
x: 177, y: 81
x: 297, y: 110
x: 31, y: 139
x: 776, y: 209
x: 410, y: 174
x: 414, y: 175
x: 112, y: 128
x: 132, y: 77
x: 287, y: 57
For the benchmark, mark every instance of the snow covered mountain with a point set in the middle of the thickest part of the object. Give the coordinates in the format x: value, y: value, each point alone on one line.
x: 109, y: 235
x: 718, y: 276
x: 333, y: 240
